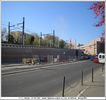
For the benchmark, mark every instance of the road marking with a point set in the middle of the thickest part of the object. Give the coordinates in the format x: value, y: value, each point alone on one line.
x: 26, y: 66
x: 26, y: 70
x: 62, y: 64
x: 14, y: 72
x: 82, y: 91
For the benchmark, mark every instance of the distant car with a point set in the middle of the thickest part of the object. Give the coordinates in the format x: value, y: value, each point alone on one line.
x: 92, y: 57
x: 84, y: 57
x: 95, y: 60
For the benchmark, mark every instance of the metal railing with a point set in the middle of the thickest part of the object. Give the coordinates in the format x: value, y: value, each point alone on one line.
x: 21, y: 46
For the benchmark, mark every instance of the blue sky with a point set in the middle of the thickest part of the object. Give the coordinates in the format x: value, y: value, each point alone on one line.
x: 70, y: 20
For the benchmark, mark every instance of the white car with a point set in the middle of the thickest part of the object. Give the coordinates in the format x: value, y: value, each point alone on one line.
x: 101, y: 57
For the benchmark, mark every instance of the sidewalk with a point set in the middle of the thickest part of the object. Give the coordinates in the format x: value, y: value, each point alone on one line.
x: 52, y: 63
x: 89, y: 88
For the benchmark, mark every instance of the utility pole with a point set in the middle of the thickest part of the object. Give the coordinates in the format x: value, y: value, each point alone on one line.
x: 58, y: 43
x: 53, y: 38
x: 94, y: 47
x: 75, y: 44
x: 23, y: 26
x: 40, y: 39
x: 8, y: 31
x: 23, y: 30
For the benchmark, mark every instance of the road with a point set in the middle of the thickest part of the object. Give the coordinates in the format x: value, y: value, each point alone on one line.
x: 44, y: 81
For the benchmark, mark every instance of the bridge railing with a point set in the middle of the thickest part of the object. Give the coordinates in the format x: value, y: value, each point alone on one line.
x: 22, y: 46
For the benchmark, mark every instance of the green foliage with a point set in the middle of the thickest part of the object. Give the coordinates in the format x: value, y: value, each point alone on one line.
x: 48, y: 41
x: 36, y: 41
x: 56, y: 42
x: 11, y: 39
x: 27, y: 40
x: 32, y: 40
x: 69, y: 45
x: 17, y: 37
x: 62, y: 43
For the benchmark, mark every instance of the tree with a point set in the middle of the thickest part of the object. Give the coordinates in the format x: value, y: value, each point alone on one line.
x: 62, y: 43
x: 36, y: 38
x: 48, y: 40
x: 11, y: 39
x: 17, y: 36
x: 29, y: 39
x: 69, y: 45
x: 56, y: 41
x: 32, y: 40
x: 79, y: 45
x: 99, y: 10
x: 36, y: 41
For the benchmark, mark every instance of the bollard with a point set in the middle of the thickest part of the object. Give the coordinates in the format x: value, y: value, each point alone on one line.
x: 63, y: 86
x: 92, y: 74
x: 82, y: 78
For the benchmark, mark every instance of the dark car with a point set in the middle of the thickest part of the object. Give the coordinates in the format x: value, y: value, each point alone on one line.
x: 92, y: 57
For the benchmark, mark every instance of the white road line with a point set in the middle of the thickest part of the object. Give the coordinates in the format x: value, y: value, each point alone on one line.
x: 62, y: 64
x: 40, y: 67
x: 82, y: 91
x: 14, y: 72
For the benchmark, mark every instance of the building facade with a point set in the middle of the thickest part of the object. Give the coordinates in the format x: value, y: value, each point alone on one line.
x: 94, y: 47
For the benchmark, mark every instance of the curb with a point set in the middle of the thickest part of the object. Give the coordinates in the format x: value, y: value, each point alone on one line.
x: 12, y: 70
x: 77, y: 90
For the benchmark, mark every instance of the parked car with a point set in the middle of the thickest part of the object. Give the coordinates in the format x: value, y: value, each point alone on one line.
x: 84, y: 57
x: 92, y: 57
x: 95, y: 59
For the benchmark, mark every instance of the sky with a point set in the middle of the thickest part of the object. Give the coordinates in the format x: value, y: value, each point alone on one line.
x: 70, y: 20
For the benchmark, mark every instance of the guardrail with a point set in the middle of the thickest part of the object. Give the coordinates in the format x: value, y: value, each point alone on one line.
x: 23, y: 46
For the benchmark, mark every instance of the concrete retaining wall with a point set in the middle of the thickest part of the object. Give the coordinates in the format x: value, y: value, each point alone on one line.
x: 15, y: 55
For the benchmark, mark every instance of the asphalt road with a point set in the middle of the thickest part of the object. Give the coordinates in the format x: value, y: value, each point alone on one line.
x: 46, y: 81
